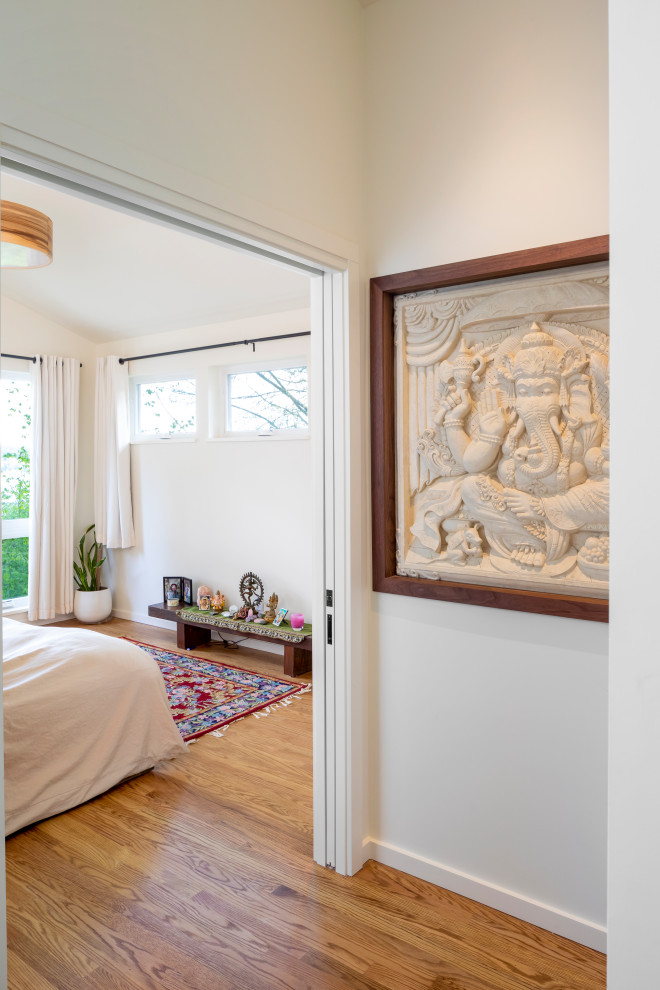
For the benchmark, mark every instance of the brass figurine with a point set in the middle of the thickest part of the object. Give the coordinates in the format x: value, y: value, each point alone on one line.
x: 251, y: 590
x: 271, y: 611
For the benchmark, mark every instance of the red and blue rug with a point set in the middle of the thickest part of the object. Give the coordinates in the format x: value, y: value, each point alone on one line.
x: 204, y: 695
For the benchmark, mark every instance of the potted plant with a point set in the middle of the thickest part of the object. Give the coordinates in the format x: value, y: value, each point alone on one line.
x: 91, y: 602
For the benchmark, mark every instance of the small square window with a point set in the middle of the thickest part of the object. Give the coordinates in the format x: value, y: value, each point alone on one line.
x: 267, y: 400
x: 165, y: 408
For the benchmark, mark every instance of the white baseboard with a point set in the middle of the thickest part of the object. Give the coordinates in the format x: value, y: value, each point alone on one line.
x: 254, y: 644
x: 148, y: 620
x: 20, y: 614
x: 553, y: 920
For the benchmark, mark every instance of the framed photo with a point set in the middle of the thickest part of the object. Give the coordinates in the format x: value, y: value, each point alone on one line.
x: 490, y: 431
x: 172, y: 590
x: 186, y: 591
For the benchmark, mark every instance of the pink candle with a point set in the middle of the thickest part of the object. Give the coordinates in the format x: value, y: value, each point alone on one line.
x: 297, y: 620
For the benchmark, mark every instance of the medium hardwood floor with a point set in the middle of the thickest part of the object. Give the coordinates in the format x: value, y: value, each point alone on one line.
x: 199, y: 876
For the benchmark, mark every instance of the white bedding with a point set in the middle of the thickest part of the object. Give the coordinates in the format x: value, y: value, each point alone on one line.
x: 82, y: 711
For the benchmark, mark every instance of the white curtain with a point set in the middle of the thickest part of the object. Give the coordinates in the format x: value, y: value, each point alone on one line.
x: 113, y: 509
x: 54, y: 473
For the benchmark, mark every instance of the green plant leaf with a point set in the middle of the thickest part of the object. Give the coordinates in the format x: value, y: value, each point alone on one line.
x: 86, y: 573
x: 79, y: 577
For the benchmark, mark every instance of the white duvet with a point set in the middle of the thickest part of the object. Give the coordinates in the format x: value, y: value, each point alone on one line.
x: 82, y: 711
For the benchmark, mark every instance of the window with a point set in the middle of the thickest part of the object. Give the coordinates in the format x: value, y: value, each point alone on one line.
x: 164, y: 407
x: 267, y: 399
x: 16, y: 416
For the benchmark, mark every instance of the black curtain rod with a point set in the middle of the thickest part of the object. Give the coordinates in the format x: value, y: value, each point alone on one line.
x: 24, y: 357
x: 210, y: 347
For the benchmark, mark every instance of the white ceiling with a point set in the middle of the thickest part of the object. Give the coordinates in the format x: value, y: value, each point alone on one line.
x: 116, y: 275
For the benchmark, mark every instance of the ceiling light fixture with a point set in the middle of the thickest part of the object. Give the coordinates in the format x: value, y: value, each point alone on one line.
x: 26, y: 237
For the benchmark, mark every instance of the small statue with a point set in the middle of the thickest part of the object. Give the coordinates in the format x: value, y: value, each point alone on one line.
x: 203, y: 591
x: 464, y: 546
x: 218, y: 601
x: 251, y: 590
x: 242, y: 613
x: 271, y: 611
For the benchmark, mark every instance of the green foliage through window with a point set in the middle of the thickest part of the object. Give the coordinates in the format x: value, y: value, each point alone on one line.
x: 15, y: 567
x: 16, y: 422
x: 16, y: 427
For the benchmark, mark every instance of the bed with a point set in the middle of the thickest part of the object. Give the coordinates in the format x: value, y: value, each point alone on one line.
x: 82, y: 712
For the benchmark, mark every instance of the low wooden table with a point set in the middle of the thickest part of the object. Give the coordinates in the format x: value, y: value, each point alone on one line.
x: 190, y: 634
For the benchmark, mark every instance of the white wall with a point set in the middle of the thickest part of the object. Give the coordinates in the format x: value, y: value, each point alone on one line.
x: 634, y: 792
x: 487, y: 132
x: 213, y: 509
x: 486, y: 127
x: 250, y: 106
x: 25, y: 331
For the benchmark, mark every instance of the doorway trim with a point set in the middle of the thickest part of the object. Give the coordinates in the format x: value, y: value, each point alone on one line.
x: 338, y: 822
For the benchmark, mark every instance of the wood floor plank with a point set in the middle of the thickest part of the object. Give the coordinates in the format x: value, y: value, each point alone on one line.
x: 199, y: 876
x: 121, y: 946
x: 38, y: 968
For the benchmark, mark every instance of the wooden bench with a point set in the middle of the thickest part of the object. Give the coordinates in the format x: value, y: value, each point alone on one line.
x: 190, y: 634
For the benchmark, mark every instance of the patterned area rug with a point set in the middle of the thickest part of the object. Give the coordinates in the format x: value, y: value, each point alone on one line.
x: 204, y: 696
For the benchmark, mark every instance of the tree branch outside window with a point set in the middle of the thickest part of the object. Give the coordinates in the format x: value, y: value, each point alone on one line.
x: 276, y: 397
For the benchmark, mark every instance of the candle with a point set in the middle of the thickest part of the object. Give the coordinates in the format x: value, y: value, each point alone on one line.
x: 297, y: 620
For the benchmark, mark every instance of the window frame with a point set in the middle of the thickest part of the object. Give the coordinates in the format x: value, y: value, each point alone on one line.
x: 154, y: 378
x: 219, y: 414
x: 15, y: 529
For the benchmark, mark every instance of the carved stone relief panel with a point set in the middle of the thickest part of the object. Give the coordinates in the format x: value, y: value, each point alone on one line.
x: 502, y: 423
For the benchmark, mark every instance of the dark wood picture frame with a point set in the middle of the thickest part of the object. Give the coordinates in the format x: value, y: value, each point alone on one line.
x: 186, y: 599
x: 383, y: 429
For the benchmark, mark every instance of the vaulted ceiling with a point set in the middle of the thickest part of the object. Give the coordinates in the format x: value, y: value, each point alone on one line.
x: 116, y: 275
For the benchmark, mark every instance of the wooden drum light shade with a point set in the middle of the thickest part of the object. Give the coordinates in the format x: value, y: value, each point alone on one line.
x: 26, y: 237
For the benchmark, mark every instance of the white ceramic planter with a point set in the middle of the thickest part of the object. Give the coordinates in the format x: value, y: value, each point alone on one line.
x: 92, y: 606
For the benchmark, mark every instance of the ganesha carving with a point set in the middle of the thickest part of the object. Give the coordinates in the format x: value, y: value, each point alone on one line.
x: 503, y: 433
